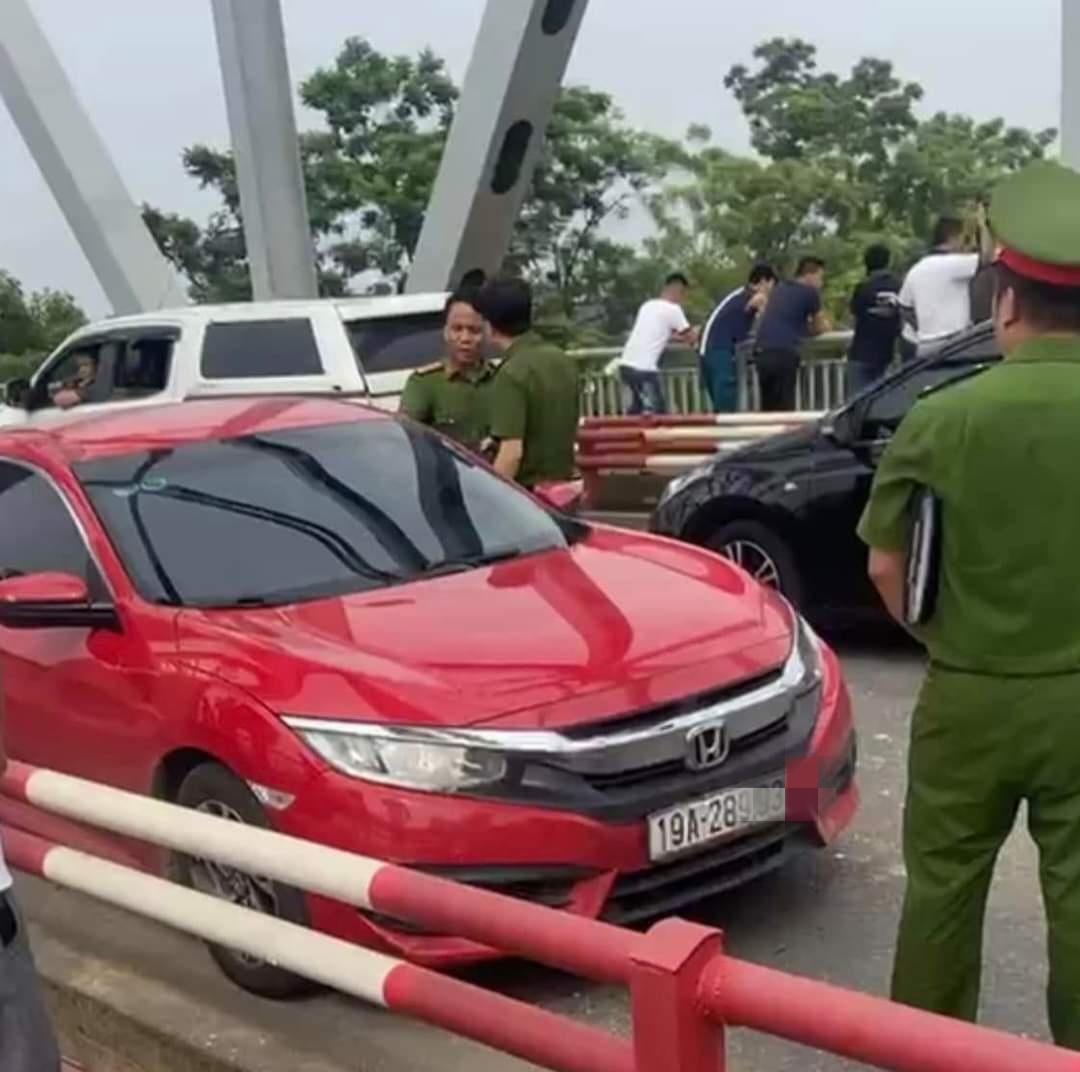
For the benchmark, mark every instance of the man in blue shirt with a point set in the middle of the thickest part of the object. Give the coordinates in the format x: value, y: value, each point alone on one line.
x: 730, y: 325
x: 793, y: 313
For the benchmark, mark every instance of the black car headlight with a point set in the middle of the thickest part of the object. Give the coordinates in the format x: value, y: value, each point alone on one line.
x: 681, y: 483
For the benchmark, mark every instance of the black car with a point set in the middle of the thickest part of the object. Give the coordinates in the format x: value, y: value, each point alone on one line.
x: 786, y: 508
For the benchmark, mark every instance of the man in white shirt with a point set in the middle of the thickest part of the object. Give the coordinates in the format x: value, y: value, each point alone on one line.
x: 27, y: 1041
x: 937, y: 291
x: 660, y: 322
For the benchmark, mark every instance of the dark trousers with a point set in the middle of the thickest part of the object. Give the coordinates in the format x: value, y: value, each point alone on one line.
x: 646, y: 391
x: 27, y: 1042
x: 718, y: 379
x: 861, y: 375
x: 778, y: 378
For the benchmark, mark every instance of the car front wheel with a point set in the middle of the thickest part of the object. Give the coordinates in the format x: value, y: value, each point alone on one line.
x: 214, y: 790
x: 761, y: 552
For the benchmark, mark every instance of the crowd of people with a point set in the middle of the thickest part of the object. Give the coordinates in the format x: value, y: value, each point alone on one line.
x: 943, y: 293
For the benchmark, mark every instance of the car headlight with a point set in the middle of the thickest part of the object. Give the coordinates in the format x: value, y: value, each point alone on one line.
x: 401, y: 757
x: 681, y: 483
x: 804, y: 666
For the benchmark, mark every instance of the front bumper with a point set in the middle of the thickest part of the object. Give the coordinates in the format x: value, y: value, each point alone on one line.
x: 582, y: 863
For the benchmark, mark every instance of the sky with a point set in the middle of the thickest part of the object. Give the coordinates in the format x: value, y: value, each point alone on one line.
x: 146, y: 72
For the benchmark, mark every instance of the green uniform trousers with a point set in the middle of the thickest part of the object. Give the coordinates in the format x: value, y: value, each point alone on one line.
x: 979, y: 746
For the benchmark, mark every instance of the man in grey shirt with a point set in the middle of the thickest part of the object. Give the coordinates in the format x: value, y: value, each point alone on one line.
x: 27, y: 1041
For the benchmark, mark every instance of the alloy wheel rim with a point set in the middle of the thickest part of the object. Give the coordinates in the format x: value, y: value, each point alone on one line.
x: 230, y: 884
x: 755, y: 560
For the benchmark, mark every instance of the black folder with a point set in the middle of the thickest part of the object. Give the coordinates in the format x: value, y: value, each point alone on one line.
x: 924, y: 559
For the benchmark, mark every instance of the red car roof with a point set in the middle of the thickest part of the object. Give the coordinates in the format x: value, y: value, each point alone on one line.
x: 100, y: 435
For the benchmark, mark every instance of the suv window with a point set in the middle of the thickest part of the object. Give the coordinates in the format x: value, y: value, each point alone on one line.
x: 39, y: 535
x: 142, y: 367
x: 115, y: 369
x: 247, y: 349
x: 79, y: 375
x: 396, y: 343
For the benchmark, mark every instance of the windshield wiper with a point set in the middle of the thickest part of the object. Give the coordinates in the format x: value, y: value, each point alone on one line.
x: 469, y: 562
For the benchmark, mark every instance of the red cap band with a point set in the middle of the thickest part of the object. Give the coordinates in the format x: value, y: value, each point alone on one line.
x: 1061, y: 275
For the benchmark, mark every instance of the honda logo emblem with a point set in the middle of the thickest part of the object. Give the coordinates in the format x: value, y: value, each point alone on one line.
x: 707, y: 746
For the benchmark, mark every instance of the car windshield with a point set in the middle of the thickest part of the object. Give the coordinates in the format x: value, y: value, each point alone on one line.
x: 301, y: 514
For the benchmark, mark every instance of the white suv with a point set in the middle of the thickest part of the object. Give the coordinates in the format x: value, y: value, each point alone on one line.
x: 359, y: 347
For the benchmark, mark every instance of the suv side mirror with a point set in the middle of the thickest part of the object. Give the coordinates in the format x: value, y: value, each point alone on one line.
x: 844, y: 426
x: 52, y: 601
x: 17, y: 393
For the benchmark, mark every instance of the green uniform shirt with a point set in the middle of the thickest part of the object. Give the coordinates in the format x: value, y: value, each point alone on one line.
x: 1002, y: 453
x: 536, y: 401
x: 458, y: 404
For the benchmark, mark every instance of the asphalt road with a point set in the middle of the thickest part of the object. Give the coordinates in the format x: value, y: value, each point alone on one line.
x: 831, y: 916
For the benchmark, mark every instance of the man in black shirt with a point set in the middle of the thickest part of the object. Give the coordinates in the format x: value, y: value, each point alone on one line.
x: 793, y: 312
x: 875, y: 307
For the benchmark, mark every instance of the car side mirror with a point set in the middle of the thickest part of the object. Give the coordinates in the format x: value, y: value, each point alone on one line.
x: 565, y: 496
x: 17, y: 393
x: 52, y: 601
x: 844, y: 426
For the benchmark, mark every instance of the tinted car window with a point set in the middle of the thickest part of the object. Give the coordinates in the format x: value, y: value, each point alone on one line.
x: 306, y: 513
x: 887, y: 409
x: 142, y: 369
x: 391, y: 344
x: 38, y: 534
x: 253, y: 348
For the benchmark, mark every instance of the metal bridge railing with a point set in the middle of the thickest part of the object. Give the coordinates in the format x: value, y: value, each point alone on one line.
x: 821, y: 385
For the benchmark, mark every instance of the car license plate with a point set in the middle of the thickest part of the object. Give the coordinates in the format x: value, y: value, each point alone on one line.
x: 690, y: 826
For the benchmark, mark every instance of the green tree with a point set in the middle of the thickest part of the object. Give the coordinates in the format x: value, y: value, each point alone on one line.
x: 370, y: 173
x: 18, y: 331
x: 890, y: 170
x: 842, y: 161
x: 56, y: 315
x: 32, y: 325
x: 592, y: 172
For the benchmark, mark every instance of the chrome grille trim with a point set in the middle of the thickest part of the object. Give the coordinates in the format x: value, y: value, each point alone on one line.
x: 608, y: 753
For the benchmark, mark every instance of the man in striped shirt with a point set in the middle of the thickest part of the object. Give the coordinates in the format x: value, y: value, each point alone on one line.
x: 729, y: 325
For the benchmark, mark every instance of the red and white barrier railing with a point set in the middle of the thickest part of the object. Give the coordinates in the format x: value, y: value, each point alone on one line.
x: 671, y: 445
x: 684, y: 989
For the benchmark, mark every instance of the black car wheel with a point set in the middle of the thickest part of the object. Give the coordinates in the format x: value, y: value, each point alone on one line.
x: 761, y: 552
x: 214, y: 790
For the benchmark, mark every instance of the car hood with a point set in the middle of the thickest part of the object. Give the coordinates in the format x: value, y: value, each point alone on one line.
x: 620, y: 622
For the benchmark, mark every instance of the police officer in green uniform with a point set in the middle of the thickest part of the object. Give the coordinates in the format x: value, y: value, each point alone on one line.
x: 454, y: 395
x: 998, y: 719
x: 535, y: 400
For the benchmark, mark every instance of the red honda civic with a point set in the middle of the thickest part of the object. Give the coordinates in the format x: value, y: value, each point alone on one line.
x: 312, y: 616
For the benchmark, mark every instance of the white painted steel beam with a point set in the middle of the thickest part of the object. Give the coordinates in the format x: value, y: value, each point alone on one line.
x: 1070, y: 82
x: 262, y: 120
x: 517, y: 67
x: 76, y: 165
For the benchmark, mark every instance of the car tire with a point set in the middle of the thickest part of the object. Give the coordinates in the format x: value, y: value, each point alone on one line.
x: 761, y: 552
x: 213, y: 789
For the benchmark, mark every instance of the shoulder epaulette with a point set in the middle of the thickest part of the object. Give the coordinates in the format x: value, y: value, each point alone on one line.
x: 424, y: 370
